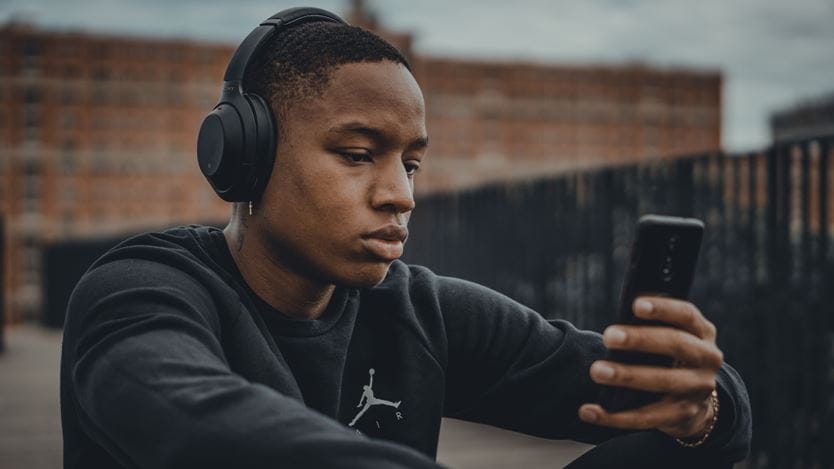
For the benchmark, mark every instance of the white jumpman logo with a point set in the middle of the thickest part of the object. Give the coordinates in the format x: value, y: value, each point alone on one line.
x: 369, y: 400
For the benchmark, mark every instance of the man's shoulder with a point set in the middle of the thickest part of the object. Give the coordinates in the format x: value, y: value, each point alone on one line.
x: 170, y: 265
x: 175, y: 246
x: 172, y: 257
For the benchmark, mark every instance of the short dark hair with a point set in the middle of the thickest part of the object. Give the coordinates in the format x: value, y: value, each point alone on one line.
x: 299, y: 62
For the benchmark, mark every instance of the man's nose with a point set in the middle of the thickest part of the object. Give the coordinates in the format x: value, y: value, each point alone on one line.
x: 393, y: 189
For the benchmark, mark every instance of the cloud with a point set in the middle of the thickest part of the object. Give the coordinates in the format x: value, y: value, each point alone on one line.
x: 771, y: 52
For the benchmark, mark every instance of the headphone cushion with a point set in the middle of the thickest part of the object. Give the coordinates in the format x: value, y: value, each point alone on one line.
x: 265, y: 143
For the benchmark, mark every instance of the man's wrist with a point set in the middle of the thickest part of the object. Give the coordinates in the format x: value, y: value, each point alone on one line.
x: 698, y: 440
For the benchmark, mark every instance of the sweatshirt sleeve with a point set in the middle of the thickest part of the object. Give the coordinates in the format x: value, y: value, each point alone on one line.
x: 509, y: 367
x: 152, y: 385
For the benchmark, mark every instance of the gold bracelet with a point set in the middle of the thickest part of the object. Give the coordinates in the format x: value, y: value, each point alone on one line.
x: 715, y: 407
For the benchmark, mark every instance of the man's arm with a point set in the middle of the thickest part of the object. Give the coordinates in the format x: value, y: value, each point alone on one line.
x: 510, y: 368
x: 153, y: 387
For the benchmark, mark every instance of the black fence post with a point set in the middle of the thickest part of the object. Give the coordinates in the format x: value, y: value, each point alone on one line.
x: 826, y: 320
x: 2, y: 285
x: 825, y: 149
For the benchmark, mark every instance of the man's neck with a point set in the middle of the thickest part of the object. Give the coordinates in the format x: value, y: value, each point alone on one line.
x: 283, y: 289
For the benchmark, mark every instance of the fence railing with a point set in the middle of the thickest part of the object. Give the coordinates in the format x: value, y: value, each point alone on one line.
x: 2, y: 290
x: 765, y: 275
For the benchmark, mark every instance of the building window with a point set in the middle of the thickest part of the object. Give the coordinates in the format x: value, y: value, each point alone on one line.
x: 101, y: 96
x: 31, y: 117
x: 69, y: 96
x: 71, y: 71
x: 68, y: 193
x: 68, y: 221
x: 31, y: 96
x: 31, y: 186
x: 31, y: 168
x: 31, y: 48
x: 31, y: 54
x: 31, y: 192
x: 31, y: 123
x: 68, y: 163
x: 101, y: 74
x: 31, y: 260
x: 100, y: 51
x: 68, y: 121
x: 101, y: 157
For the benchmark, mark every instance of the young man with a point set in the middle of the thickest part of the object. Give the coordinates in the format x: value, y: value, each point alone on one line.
x: 295, y: 338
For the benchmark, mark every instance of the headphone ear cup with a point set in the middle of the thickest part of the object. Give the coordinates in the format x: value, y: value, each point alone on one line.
x: 220, y: 145
x: 265, y: 143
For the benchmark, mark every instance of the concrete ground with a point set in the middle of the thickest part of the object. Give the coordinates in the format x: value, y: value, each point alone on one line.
x: 30, y: 425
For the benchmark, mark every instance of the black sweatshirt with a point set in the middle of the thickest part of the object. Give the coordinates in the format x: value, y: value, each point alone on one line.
x: 170, y: 360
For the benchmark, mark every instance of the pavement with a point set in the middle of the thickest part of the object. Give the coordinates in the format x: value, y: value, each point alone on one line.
x: 30, y: 423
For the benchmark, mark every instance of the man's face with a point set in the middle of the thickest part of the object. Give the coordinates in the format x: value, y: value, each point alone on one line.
x: 344, y: 170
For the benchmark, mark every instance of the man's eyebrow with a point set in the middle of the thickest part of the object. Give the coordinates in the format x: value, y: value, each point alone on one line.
x: 359, y: 128
x: 419, y: 143
x: 374, y: 133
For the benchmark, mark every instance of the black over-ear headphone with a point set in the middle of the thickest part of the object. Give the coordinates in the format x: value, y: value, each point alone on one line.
x: 236, y: 144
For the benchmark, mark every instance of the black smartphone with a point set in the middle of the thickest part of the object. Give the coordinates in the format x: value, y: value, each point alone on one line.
x: 663, y: 258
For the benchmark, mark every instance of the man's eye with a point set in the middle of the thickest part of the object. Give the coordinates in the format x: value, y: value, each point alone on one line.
x: 357, y: 157
x: 411, y: 168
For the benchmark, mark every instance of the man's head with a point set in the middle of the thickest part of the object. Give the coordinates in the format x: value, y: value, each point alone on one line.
x: 351, y: 132
x: 299, y: 62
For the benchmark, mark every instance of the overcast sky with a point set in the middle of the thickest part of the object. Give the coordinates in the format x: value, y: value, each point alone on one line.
x: 772, y: 52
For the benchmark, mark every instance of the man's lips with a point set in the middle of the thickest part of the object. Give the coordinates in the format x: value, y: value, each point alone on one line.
x: 389, y: 233
x: 386, y: 242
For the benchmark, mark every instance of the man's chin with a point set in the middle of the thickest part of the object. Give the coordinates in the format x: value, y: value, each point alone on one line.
x: 367, y: 276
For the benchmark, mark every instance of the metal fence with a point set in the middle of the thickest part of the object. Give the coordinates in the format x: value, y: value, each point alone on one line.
x: 2, y: 286
x: 765, y: 275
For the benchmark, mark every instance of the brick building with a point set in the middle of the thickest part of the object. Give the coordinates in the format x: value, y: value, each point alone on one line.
x: 490, y: 121
x: 98, y: 138
x: 99, y: 132
x: 806, y: 119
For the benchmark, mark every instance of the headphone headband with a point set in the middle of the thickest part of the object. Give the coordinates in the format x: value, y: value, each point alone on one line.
x: 261, y: 35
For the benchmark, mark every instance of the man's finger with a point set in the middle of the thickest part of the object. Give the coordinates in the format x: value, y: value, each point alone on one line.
x: 681, y: 381
x: 675, y: 343
x: 681, y: 314
x: 679, y: 414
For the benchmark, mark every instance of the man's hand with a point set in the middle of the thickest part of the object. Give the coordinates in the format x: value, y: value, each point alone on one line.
x: 685, y: 410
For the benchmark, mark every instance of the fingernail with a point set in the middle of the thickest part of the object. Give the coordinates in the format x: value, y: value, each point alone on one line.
x: 643, y: 307
x: 602, y: 370
x: 614, y: 335
x: 588, y: 415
